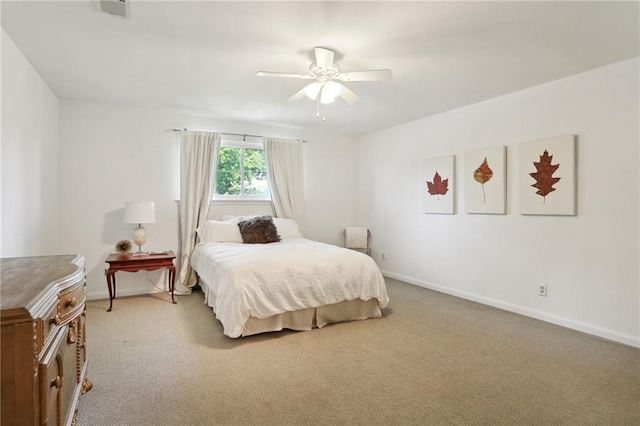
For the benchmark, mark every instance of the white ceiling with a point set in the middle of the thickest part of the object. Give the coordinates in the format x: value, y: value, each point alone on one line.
x: 201, y: 57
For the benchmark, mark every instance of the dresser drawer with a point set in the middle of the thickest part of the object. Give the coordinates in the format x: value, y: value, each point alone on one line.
x: 47, y: 325
x: 59, y: 381
x: 51, y: 382
x: 70, y: 302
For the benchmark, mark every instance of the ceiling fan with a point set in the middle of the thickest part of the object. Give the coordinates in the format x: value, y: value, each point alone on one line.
x: 328, y: 80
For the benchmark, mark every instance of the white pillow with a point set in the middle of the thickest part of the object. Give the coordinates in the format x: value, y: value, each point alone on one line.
x: 239, y: 218
x: 287, y: 228
x: 215, y: 231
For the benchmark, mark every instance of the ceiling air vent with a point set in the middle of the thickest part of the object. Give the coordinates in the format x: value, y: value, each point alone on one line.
x: 114, y: 7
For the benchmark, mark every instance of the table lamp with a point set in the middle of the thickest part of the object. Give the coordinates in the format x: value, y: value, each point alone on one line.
x: 139, y: 212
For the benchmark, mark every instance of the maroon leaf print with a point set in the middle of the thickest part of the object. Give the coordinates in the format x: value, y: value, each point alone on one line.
x: 544, y: 175
x: 438, y: 186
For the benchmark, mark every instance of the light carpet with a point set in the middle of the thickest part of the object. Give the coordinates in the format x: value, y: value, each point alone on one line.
x: 432, y: 359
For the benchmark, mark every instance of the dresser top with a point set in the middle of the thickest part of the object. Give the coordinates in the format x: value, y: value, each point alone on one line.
x: 23, y: 280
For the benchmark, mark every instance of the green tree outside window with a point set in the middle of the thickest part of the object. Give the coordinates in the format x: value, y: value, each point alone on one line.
x: 241, y: 172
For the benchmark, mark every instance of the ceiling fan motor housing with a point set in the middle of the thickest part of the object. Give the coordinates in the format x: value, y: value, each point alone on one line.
x: 327, y: 73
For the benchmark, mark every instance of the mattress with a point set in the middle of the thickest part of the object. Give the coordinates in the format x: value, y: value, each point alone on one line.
x: 248, y: 283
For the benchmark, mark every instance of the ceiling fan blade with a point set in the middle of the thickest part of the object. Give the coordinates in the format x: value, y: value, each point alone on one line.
x: 301, y: 94
x: 348, y: 96
x: 283, y: 74
x: 372, y: 75
x: 324, y: 58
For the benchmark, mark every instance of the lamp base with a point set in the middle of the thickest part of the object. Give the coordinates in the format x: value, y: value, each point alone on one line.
x: 140, y: 237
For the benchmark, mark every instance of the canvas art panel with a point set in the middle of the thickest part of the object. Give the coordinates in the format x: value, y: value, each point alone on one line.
x: 546, y: 175
x: 484, y: 180
x: 438, y: 185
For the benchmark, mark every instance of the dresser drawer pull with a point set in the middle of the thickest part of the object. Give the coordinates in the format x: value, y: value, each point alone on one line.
x: 71, y: 337
x: 72, y: 302
x: 55, y: 383
x: 55, y: 320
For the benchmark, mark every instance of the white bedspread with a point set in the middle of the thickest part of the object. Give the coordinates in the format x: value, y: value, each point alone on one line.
x: 261, y: 280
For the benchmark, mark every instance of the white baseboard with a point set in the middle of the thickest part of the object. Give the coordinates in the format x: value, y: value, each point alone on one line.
x: 543, y: 316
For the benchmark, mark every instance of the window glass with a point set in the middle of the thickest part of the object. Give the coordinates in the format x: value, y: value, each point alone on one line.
x: 255, y: 173
x: 242, y: 173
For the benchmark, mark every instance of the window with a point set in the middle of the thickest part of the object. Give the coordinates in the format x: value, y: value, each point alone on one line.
x: 242, y: 172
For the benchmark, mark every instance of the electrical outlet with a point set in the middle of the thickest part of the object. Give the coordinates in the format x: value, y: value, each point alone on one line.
x: 542, y: 290
x: 382, y: 256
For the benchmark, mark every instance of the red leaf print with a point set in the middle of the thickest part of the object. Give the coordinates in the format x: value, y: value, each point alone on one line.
x: 544, y: 175
x: 438, y: 186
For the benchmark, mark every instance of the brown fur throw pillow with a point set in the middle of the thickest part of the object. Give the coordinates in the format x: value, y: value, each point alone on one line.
x: 259, y: 230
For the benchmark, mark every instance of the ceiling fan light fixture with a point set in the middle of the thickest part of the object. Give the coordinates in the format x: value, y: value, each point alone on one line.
x: 328, y: 91
x: 328, y: 80
x: 324, y: 99
x: 332, y: 89
x: 312, y: 90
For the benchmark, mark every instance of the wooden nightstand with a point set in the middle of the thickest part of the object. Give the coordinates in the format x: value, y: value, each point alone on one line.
x: 131, y: 263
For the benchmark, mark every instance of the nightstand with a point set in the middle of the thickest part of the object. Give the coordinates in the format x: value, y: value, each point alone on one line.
x: 135, y: 263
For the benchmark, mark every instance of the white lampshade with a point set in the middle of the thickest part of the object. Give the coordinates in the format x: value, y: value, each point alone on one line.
x: 140, y: 212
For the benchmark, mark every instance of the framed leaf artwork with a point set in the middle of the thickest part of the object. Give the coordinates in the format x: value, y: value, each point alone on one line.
x: 438, y: 185
x: 546, y: 176
x: 484, y: 180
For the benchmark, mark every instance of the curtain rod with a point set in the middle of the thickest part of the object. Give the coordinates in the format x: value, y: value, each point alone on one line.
x: 244, y: 135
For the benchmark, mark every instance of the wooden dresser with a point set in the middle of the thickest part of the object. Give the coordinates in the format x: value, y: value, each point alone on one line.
x: 44, y: 355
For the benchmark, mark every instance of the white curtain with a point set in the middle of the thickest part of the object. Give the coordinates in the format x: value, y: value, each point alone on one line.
x: 198, y: 163
x: 284, y: 168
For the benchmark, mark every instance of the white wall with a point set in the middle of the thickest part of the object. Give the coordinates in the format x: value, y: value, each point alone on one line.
x: 29, y: 158
x: 64, y: 188
x: 112, y: 154
x: 589, y: 261
x: 331, y: 186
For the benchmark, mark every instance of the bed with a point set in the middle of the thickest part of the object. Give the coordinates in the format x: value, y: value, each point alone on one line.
x: 294, y: 283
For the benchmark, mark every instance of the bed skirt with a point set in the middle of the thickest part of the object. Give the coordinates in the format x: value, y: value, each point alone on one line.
x: 306, y: 319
